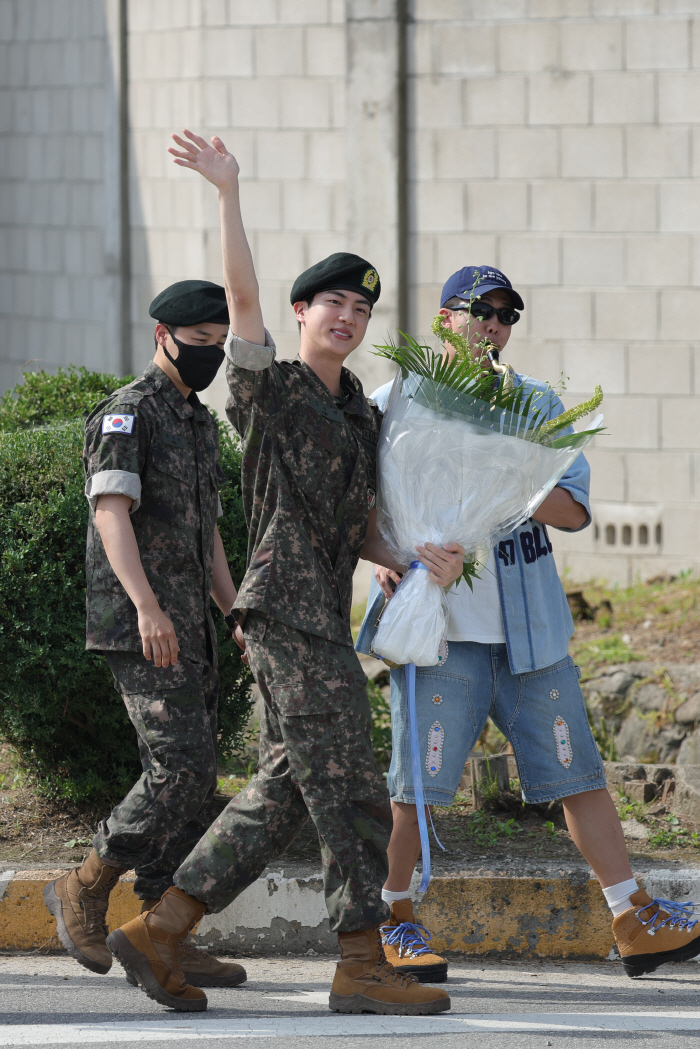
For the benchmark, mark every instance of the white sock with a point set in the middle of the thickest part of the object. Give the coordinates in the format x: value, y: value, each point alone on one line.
x: 389, y: 897
x: 618, y: 896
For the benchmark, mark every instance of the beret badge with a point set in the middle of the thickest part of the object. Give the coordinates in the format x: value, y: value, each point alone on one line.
x: 370, y: 279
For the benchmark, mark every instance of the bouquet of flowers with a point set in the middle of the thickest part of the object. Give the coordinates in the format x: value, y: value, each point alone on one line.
x: 465, y: 455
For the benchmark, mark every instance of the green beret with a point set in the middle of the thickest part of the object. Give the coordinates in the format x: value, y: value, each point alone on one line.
x: 190, y: 302
x: 342, y: 271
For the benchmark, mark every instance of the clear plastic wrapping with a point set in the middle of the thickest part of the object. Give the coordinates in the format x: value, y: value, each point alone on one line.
x: 451, y: 469
x: 428, y: 604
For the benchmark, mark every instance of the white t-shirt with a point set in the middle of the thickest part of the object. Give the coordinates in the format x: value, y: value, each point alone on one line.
x: 476, y: 615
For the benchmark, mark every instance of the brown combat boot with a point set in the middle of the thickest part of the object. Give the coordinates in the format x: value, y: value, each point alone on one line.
x: 201, y: 969
x: 364, y: 982
x: 405, y: 946
x: 78, y: 901
x: 150, y: 947
x: 653, y: 932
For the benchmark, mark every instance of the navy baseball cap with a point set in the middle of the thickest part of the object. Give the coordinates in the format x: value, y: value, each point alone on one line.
x: 488, y: 278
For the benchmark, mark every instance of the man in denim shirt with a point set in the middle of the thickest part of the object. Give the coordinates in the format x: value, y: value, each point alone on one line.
x: 505, y: 655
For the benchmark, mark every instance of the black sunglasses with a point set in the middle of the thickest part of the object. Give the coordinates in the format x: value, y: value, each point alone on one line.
x: 482, y: 311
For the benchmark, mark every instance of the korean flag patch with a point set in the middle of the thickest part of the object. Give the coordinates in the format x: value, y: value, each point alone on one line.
x: 118, y: 423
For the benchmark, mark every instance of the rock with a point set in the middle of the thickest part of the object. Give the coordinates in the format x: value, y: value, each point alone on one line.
x: 689, y: 712
x: 640, y: 736
x: 685, y: 677
x: 634, y: 830
x: 667, y: 744
x: 689, y: 753
x: 640, y: 790
x: 618, y: 772
x: 635, y: 735
x: 686, y: 800
x: 650, y: 697
x: 616, y: 684
x: 606, y: 695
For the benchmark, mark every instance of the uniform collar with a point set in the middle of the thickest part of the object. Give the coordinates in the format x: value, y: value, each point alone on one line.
x: 349, y: 384
x: 182, y: 407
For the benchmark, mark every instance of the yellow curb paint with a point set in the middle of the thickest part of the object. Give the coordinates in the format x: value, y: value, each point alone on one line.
x: 25, y: 923
x: 548, y: 917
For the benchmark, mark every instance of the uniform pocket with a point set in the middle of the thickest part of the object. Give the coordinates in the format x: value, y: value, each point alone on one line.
x: 134, y: 673
x: 169, y: 460
x: 316, y: 442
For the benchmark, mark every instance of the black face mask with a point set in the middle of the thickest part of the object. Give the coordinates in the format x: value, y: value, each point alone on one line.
x: 197, y: 365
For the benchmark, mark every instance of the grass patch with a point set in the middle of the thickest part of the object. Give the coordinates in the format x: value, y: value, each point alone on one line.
x: 637, y: 622
x: 605, y: 650
x: 231, y: 784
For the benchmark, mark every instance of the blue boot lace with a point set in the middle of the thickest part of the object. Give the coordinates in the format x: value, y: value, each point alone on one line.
x: 408, y: 937
x: 678, y: 916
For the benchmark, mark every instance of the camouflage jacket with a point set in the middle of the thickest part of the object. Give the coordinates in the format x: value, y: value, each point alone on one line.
x: 146, y: 441
x: 308, y: 480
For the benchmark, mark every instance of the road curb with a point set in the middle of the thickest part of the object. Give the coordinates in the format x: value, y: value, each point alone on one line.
x: 555, y: 916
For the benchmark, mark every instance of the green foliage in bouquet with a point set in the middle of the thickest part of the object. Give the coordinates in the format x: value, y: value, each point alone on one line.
x: 58, y: 706
x: 467, y: 375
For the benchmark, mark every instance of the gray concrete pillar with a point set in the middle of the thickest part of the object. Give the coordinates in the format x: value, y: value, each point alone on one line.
x: 375, y: 177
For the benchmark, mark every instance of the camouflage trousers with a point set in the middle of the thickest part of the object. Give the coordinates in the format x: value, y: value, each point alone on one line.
x: 315, y: 759
x: 163, y: 816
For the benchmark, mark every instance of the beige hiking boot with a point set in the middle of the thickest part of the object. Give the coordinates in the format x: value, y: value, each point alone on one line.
x: 150, y: 947
x: 201, y: 969
x: 653, y: 932
x: 78, y: 901
x: 405, y: 945
x: 364, y: 982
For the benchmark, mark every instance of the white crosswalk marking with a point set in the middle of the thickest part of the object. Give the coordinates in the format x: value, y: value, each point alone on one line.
x: 342, y: 1027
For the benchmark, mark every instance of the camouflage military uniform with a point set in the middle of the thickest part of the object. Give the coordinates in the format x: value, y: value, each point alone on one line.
x: 150, y: 443
x: 308, y: 479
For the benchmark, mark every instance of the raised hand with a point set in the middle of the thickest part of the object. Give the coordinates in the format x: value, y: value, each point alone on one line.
x: 213, y: 161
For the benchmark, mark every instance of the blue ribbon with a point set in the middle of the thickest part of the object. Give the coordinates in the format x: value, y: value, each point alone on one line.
x: 416, y: 767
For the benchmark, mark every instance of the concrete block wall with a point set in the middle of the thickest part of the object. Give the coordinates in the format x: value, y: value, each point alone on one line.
x: 57, y: 240
x: 557, y: 139
x: 270, y: 79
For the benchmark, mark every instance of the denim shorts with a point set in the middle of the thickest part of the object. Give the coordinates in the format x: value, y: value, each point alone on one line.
x: 542, y: 715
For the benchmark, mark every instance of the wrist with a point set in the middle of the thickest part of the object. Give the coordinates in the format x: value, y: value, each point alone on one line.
x: 148, y: 605
x: 228, y: 189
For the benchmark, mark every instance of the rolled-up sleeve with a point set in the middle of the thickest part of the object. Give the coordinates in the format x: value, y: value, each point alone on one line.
x: 114, y: 482
x: 577, y: 479
x: 249, y: 370
x: 114, y: 458
x: 250, y: 355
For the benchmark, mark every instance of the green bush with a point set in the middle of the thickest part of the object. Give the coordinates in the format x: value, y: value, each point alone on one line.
x: 42, y: 398
x: 58, y: 706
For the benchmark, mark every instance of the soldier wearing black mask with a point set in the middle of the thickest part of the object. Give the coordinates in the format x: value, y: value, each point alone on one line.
x: 154, y: 557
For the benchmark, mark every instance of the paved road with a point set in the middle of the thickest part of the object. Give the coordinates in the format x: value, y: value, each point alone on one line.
x: 495, y: 1005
